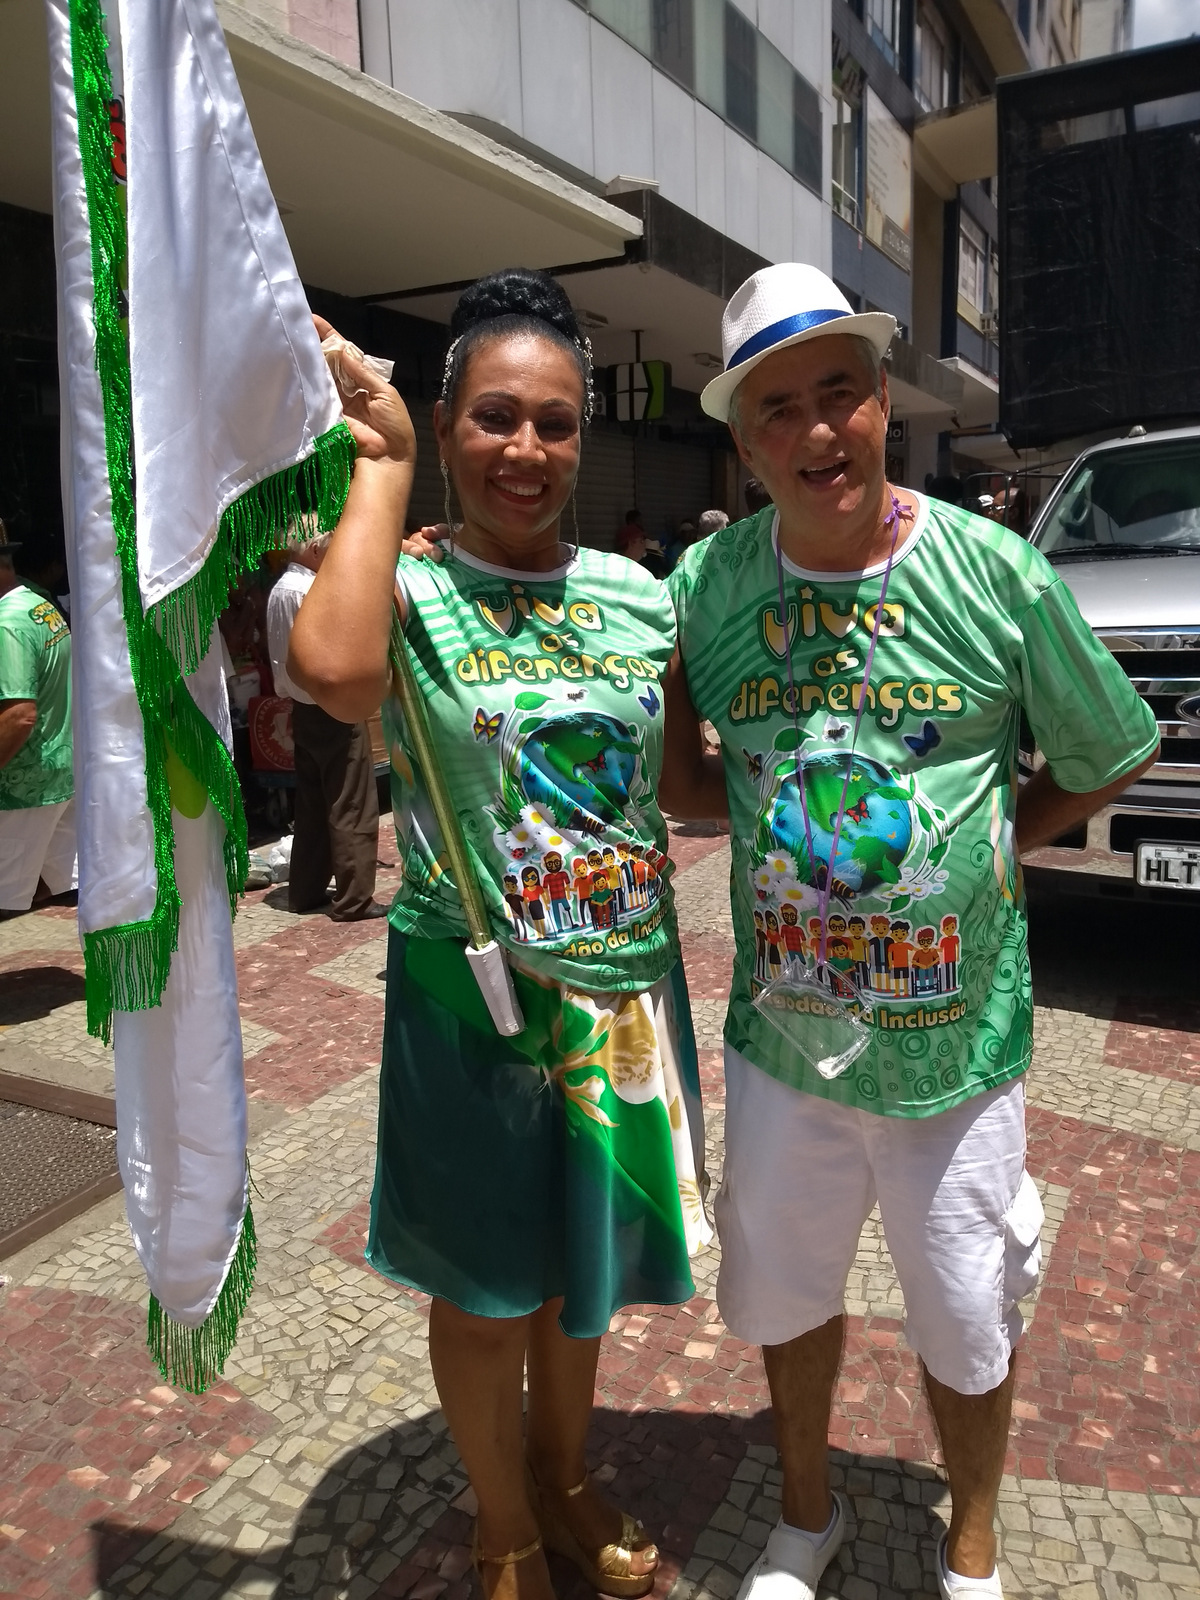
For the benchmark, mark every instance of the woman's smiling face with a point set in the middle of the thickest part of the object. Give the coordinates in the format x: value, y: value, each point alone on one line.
x: 512, y: 444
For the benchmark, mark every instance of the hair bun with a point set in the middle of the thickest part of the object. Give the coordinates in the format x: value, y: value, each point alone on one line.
x: 515, y: 292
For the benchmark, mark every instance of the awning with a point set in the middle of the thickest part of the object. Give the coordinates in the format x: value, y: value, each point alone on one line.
x: 956, y: 146
x: 980, y: 403
x: 376, y: 190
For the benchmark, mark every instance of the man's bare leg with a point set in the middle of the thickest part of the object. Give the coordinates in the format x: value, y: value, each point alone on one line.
x: 974, y: 1432
x: 802, y: 1374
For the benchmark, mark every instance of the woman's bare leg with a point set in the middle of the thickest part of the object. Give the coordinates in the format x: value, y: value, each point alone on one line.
x: 478, y: 1365
x: 562, y: 1383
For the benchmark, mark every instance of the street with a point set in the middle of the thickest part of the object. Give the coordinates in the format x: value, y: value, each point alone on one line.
x: 321, y: 1466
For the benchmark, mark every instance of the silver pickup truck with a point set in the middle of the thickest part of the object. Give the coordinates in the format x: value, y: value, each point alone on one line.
x: 1123, y: 530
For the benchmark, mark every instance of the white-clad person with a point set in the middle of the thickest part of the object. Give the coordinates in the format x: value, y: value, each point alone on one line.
x: 37, y: 784
x: 876, y: 825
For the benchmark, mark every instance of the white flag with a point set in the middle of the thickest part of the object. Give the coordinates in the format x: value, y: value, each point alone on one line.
x: 192, y: 371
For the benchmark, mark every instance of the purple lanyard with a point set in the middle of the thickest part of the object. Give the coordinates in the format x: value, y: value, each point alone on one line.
x: 893, y: 522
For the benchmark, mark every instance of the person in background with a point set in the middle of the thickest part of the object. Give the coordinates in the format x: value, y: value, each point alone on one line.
x: 632, y: 543
x: 947, y: 488
x: 711, y: 522
x: 337, y: 806
x: 37, y: 786
x: 756, y: 496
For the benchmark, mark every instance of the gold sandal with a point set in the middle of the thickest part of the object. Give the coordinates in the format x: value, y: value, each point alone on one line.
x: 608, y: 1569
x: 479, y: 1560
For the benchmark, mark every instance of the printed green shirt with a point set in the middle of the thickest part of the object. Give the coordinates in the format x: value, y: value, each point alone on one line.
x: 545, y: 701
x: 35, y: 664
x: 926, y: 909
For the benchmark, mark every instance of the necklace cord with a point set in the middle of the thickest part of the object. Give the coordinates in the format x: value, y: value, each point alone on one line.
x: 824, y: 890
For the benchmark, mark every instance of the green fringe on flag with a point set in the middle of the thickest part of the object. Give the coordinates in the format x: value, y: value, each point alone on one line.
x: 126, y: 967
x: 193, y: 1358
x: 307, y: 497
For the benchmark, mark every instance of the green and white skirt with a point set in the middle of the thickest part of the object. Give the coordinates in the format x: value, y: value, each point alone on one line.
x: 567, y: 1161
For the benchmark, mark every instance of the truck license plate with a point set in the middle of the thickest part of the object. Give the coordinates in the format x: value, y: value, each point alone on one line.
x: 1168, y: 866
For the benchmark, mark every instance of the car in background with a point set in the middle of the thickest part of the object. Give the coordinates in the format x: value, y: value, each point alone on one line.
x: 1122, y: 530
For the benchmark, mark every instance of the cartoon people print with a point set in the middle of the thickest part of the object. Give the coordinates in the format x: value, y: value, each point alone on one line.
x: 557, y: 884
x: 900, y: 959
x: 581, y: 877
x: 515, y: 901
x: 571, y: 785
x: 878, y: 947
x: 795, y: 945
x: 774, y: 958
x: 948, y: 948
x: 531, y: 888
x: 601, y: 891
x: 868, y: 880
x: 926, y: 959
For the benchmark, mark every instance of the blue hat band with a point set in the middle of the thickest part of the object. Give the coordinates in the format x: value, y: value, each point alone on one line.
x: 778, y: 331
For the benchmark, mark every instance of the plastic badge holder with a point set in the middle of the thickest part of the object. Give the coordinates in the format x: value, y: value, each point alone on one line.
x: 815, y: 1022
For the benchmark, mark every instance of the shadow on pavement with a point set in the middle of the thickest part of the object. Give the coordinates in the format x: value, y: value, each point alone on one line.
x: 29, y: 993
x: 390, y: 1517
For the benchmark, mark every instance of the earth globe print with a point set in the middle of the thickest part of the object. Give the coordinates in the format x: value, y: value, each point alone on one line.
x: 586, y: 758
x: 876, y: 832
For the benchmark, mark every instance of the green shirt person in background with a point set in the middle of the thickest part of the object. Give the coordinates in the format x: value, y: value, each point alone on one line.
x: 882, y: 799
x: 37, y: 814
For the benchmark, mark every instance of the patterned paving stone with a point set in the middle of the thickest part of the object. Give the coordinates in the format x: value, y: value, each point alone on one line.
x: 348, y: 1486
x: 363, y: 968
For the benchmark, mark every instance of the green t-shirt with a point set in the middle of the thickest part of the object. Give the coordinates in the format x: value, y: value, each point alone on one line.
x: 926, y: 909
x: 35, y: 664
x: 545, y: 702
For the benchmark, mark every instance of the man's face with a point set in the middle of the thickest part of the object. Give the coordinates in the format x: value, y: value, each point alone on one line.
x: 812, y: 429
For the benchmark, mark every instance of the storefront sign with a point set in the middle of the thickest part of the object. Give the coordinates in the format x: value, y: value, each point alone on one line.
x: 638, y: 390
x: 889, y: 183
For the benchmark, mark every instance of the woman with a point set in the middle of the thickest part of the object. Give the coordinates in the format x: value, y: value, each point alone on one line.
x: 531, y: 1186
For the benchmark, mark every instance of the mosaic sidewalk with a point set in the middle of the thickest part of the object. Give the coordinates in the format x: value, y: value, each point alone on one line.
x: 321, y: 1466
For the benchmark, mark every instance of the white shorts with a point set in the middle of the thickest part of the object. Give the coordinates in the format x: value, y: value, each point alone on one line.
x: 961, y: 1217
x: 36, y: 842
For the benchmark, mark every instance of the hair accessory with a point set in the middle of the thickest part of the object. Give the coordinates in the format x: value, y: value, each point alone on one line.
x: 446, y: 487
x: 779, y: 306
x: 454, y: 344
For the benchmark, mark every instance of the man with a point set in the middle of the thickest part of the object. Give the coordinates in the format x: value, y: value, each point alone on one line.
x: 337, y: 804
x: 776, y: 620
x: 37, y: 808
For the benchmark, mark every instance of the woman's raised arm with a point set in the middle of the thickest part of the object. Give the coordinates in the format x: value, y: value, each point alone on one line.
x: 339, y: 643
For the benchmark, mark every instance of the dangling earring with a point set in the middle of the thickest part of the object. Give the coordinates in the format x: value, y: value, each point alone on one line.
x: 575, y: 519
x: 449, y: 518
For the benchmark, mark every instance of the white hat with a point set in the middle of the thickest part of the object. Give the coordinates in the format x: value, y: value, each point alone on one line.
x: 780, y: 306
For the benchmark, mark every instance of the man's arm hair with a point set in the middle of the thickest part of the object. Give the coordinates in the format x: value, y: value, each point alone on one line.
x: 693, y: 779
x: 1045, y: 812
x: 18, y: 718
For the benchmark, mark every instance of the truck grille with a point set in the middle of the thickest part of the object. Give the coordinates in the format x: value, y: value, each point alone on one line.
x: 1164, y: 668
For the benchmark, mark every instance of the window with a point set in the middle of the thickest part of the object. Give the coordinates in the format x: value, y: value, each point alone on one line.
x: 776, y: 105
x: 675, y: 40
x: 931, y: 69
x: 741, y: 72
x: 709, y: 26
x: 629, y: 18
x: 971, y: 85
x: 806, y: 132
x: 713, y: 49
x: 883, y: 24
x: 978, y: 277
x: 847, y: 159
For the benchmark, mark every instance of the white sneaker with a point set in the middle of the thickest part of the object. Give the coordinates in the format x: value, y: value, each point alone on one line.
x: 965, y: 1588
x: 790, y: 1567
